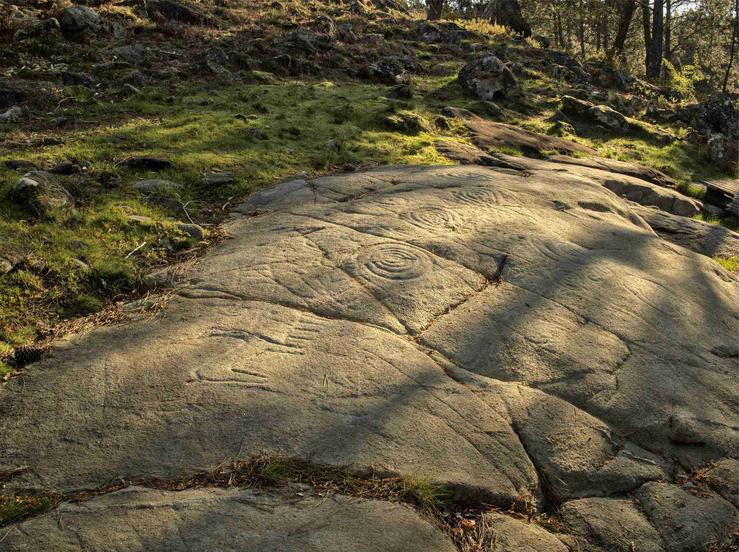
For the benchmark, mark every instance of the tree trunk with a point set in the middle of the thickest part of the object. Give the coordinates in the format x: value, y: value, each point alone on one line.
x: 558, y: 29
x: 581, y: 29
x: 647, y: 27
x: 668, y: 31
x: 435, y: 9
x: 626, y: 14
x: 734, y: 34
x: 654, y: 70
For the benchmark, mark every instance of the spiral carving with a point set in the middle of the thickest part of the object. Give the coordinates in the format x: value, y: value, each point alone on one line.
x: 394, y: 261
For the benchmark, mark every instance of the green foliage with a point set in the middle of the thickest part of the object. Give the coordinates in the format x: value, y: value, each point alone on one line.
x: 676, y: 80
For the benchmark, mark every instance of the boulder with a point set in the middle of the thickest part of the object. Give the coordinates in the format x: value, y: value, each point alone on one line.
x: 219, y: 178
x: 702, y: 237
x: 488, y: 135
x: 391, y: 69
x: 563, y: 59
x: 509, y: 534
x: 723, y: 477
x: 76, y: 22
x: 406, y: 122
x: 685, y: 521
x: 616, y: 525
x: 11, y: 95
x: 302, y: 40
x: 717, y: 115
x: 723, y: 151
x: 442, y: 32
x: 70, y: 78
x: 488, y: 78
x: 40, y: 192
x: 137, y: 519
x: 12, y: 115
x: 325, y: 25
x: 176, y: 11
x: 595, y: 114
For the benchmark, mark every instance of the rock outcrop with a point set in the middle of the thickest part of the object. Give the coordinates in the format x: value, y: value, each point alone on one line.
x: 488, y: 78
x: 512, y: 334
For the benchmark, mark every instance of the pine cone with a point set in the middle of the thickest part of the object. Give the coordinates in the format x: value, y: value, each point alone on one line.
x: 26, y: 354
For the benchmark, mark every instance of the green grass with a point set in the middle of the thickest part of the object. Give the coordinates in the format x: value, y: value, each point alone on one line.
x: 424, y: 492
x: 4, y: 370
x: 16, y: 507
x: 729, y: 263
x: 79, y: 259
x: 82, y: 257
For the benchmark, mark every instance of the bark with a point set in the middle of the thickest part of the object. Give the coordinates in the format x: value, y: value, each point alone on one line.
x: 581, y: 29
x: 655, y: 68
x: 626, y: 14
x: 668, y: 31
x: 647, y: 28
x: 435, y: 9
x: 734, y: 34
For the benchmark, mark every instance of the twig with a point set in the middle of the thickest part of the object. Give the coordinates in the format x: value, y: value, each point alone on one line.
x: 142, y: 244
x: 5, y: 536
x: 184, y: 208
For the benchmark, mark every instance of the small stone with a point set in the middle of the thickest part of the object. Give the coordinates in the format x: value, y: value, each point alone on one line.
x: 256, y: 133
x: 15, y: 164
x: 193, y: 230
x: 5, y: 266
x: 333, y: 145
x: 218, y: 178
x: 12, y: 115
x: 408, y: 123
x: 38, y: 191
x: 140, y: 219
x: 156, y: 186
x: 147, y: 163
x: 66, y: 168
x: 70, y: 78
x: 82, y: 265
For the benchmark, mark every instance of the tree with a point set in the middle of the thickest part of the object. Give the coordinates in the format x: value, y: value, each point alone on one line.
x: 435, y: 9
x: 653, y: 23
x: 507, y: 13
x: 626, y: 9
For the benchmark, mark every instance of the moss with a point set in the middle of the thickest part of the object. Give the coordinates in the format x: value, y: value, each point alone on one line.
x: 87, y: 304
x: 5, y: 370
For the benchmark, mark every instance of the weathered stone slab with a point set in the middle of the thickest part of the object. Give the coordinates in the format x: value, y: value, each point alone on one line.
x: 204, y: 520
x: 517, y: 334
